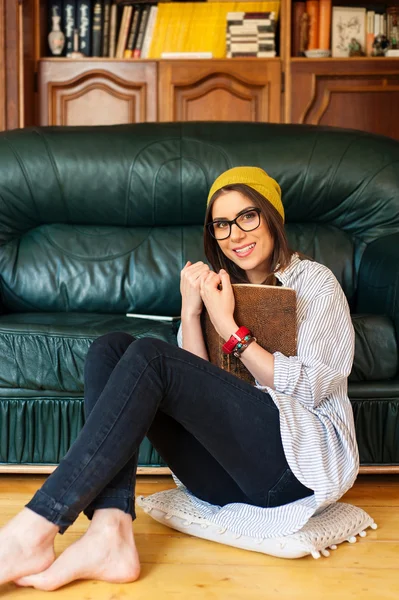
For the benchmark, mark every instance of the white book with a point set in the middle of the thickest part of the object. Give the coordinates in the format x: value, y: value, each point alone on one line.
x: 182, y: 55
x: 153, y: 317
x: 149, y: 32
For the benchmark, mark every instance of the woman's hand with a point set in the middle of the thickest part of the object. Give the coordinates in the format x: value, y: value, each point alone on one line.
x: 219, y: 303
x: 190, y: 278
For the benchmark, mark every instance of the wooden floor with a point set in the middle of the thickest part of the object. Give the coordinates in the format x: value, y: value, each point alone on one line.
x: 176, y: 566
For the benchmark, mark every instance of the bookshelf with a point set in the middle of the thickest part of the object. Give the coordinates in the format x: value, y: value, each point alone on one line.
x: 358, y: 92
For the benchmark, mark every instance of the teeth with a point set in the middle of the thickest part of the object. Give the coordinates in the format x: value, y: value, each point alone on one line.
x: 244, y: 249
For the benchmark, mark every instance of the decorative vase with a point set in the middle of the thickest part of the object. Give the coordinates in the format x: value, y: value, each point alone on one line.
x: 56, y: 38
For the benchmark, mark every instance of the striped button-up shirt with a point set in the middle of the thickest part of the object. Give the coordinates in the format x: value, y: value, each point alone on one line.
x: 316, y: 419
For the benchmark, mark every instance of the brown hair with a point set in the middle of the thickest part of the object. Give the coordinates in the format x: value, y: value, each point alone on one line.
x: 281, y: 255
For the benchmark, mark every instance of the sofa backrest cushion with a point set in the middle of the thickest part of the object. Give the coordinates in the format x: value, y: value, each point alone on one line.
x: 103, y: 218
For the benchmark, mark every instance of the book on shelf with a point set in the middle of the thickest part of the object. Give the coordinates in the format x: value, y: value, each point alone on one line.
x: 84, y: 25
x: 135, y: 20
x: 142, y: 25
x: 250, y: 34
x: 299, y: 44
x: 269, y: 312
x: 324, y: 24
x: 312, y: 10
x: 106, y: 27
x: 97, y: 28
x: 186, y: 55
x: 70, y: 22
x: 153, y: 317
x: 113, y: 23
x: 149, y: 30
x: 124, y: 31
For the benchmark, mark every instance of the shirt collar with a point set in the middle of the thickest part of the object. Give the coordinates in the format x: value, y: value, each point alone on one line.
x: 286, y: 274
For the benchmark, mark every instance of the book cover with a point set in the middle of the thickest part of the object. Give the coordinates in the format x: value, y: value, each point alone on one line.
x: 113, y: 21
x: 106, y: 27
x: 70, y: 23
x: 138, y: 44
x: 149, y: 31
x: 124, y: 31
x: 269, y: 312
x: 298, y: 10
x: 324, y: 24
x: 84, y: 26
x: 97, y: 27
x: 312, y: 9
x: 128, y: 52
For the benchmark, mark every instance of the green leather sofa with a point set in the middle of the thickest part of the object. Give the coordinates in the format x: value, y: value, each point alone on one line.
x: 96, y: 222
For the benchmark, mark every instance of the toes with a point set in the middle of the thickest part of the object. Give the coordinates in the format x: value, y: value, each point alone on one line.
x: 28, y: 581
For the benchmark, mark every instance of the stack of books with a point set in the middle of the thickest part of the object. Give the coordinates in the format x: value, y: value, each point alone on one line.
x: 251, y: 34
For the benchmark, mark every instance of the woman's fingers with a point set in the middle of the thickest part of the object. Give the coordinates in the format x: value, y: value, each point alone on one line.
x: 210, y: 280
x: 195, y: 271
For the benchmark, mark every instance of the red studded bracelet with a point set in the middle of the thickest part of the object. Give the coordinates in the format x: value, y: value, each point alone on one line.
x: 235, y: 338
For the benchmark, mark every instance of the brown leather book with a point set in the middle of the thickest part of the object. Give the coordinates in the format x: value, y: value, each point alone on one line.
x: 269, y: 312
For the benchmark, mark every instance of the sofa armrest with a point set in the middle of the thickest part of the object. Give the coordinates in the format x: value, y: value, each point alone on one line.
x: 378, y: 284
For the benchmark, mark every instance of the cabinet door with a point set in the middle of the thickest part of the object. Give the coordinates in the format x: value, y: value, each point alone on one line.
x: 356, y: 93
x: 96, y: 92
x: 220, y: 90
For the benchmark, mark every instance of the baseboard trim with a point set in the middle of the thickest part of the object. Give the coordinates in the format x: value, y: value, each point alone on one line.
x: 47, y: 469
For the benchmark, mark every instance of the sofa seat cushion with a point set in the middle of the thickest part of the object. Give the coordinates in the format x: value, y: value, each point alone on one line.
x: 376, y: 350
x: 46, y: 351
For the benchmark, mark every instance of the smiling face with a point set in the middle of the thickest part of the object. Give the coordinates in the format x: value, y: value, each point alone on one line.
x: 249, y: 250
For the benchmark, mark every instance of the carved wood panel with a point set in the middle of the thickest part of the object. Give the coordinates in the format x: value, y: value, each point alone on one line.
x: 95, y: 92
x: 220, y: 90
x: 354, y: 94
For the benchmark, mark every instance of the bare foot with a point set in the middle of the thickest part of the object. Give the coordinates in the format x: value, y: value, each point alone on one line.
x: 106, y: 552
x: 26, y: 545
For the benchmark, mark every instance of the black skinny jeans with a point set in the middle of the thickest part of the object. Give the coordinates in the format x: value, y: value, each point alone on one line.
x: 218, y: 434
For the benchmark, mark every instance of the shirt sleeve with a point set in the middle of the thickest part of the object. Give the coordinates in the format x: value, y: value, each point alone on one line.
x: 180, y: 336
x: 325, y: 351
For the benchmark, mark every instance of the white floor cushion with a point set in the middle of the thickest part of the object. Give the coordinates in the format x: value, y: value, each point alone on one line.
x: 337, y: 523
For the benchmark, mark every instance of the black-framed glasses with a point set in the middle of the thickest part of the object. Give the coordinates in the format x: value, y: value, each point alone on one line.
x: 246, y: 221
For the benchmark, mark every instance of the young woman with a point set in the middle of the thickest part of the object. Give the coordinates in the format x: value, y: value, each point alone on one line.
x: 270, y: 454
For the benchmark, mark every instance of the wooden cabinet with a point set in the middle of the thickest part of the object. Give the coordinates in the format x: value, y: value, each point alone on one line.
x: 357, y: 93
x: 220, y: 90
x: 104, y: 92
x: 96, y: 92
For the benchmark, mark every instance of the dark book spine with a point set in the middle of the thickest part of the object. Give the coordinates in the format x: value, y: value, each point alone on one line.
x: 97, y: 27
x: 137, y: 29
x: 70, y: 22
x: 84, y: 26
x: 140, y: 36
x: 106, y: 26
x: 128, y: 53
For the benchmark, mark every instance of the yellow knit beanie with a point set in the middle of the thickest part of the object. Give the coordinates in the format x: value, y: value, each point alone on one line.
x: 255, y: 178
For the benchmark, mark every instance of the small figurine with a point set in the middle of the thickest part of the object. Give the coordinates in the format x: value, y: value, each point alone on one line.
x: 380, y: 45
x: 355, y: 48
